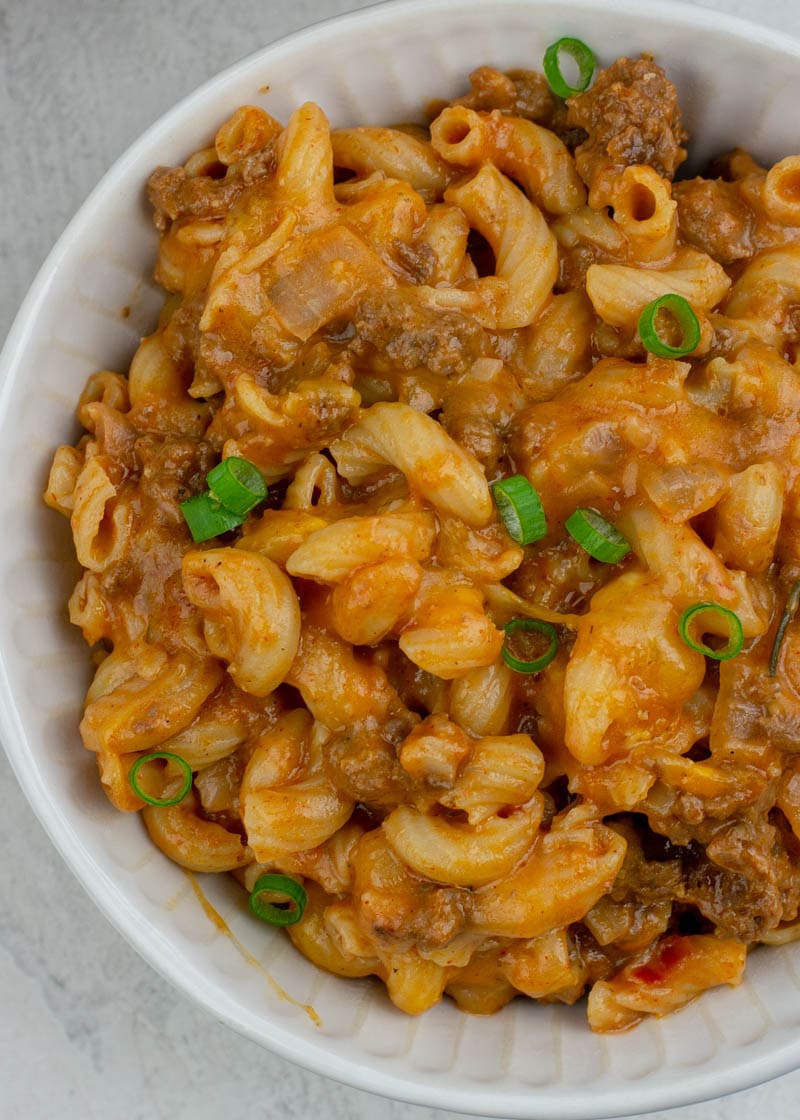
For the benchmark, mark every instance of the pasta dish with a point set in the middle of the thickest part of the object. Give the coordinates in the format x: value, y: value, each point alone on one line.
x: 438, y: 546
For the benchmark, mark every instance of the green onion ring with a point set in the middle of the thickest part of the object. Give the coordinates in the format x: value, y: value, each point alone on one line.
x: 270, y: 912
x: 237, y: 484
x: 520, y: 509
x: 206, y: 518
x: 686, y: 319
x: 735, y: 632
x: 537, y: 626
x: 168, y: 757
x: 597, y: 536
x: 581, y: 54
x: 790, y: 610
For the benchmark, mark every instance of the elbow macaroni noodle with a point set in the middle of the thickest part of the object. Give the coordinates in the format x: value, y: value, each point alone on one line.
x: 385, y: 321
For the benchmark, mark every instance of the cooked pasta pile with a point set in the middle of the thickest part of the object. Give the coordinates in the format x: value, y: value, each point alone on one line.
x: 486, y: 697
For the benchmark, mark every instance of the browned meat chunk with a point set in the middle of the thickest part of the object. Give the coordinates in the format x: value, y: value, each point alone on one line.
x: 412, y: 335
x: 747, y: 882
x: 363, y: 763
x: 713, y: 217
x: 478, y: 414
x: 399, y: 908
x: 518, y: 93
x: 521, y: 93
x: 174, y: 194
x: 631, y: 115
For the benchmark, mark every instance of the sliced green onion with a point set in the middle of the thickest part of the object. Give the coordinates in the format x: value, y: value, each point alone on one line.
x: 530, y: 625
x: 206, y: 518
x: 735, y: 632
x: 167, y: 756
x: 597, y: 536
x: 237, y: 485
x: 520, y: 509
x: 686, y: 319
x: 579, y: 53
x: 789, y: 611
x: 276, y: 913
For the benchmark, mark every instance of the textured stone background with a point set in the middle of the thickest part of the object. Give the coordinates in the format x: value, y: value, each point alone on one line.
x: 87, y: 1030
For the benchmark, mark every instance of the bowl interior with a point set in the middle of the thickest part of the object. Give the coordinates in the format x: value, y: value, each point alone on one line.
x: 738, y: 86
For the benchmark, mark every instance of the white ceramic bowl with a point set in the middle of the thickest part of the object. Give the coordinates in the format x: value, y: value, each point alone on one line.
x: 738, y: 84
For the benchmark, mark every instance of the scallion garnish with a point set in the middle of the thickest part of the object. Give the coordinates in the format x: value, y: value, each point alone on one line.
x: 237, y: 485
x: 530, y: 625
x: 520, y: 509
x: 735, y: 632
x: 582, y: 55
x: 597, y: 536
x: 206, y: 518
x: 687, y: 321
x: 270, y: 896
x: 789, y: 611
x: 167, y: 756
